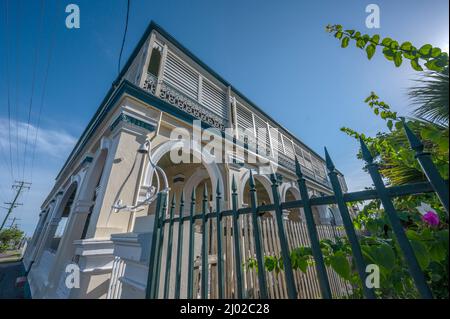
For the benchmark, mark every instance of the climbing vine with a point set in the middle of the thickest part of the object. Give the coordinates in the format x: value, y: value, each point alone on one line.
x: 432, y: 58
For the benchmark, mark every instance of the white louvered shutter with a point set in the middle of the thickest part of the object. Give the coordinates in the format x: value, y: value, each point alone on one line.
x: 181, y: 76
x: 288, y: 148
x: 244, y: 121
x: 262, y: 134
x: 277, y: 143
x: 298, y: 152
x: 214, y: 99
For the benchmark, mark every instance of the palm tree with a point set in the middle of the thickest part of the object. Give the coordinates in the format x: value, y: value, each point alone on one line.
x: 430, y: 98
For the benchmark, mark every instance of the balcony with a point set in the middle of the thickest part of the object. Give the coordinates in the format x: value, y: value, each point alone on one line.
x: 173, y: 96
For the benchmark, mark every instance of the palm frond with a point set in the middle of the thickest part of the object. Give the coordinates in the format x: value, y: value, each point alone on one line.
x: 430, y: 97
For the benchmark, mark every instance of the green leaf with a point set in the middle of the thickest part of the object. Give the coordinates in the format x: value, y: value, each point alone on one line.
x: 398, y: 125
x: 375, y: 39
x: 443, y: 237
x: 303, y: 264
x: 425, y: 50
x: 398, y: 59
x: 338, y: 34
x: 351, y: 32
x: 386, y: 41
x: 390, y: 124
x: 389, y: 54
x: 433, y: 66
x: 341, y: 265
x: 394, y: 45
x: 385, y: 256
x: 415, y: 65
x: 407, y: 46
x: 435, y: 52
x: 345, y: 41
x: 437, y: 252
x: 421, y: 253
x: 370, y: 51
x: 360, y: 43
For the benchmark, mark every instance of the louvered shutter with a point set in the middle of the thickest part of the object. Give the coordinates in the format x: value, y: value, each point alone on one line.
x: 288, y: 149
x: 298, y: 153
x: 182, y: 77
x: 244, y: 121
x: 262, y: 134
x: 276, y: 140
x: 214, y: 99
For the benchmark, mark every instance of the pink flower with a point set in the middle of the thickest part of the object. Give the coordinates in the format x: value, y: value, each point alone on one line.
x: 431, y: 218
x: 429, y: 215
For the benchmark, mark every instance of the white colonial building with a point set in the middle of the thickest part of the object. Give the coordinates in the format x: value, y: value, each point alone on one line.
x: 163, y: 86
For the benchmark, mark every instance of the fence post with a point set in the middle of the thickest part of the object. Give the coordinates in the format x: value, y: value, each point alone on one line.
x: 219, y: 242
x: 204, y: 290
x: 313, y: 237
x: 348, y: 224
x: 169, y: 249
x: 152, y: 275
x: 179, y: 248
x: 405, y: 245
x: 236, y: 239
x: 432, y: 174
x: 160, y: 245
x: 257, y: 236
x: 191, y: 247
x: 285, y: 254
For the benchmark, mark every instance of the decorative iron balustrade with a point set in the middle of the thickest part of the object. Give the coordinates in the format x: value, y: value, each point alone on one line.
x: 170, y: 94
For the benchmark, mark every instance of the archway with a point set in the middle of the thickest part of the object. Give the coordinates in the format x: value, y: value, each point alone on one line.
x: 91, y: 188
x: 294, y: 214
x: 263, y: 189
x: 63, y: 216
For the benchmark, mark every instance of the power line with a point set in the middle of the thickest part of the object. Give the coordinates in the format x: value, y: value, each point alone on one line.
x: 17, y: 85
x: 8, y: 87
x: 44, y: 88
x: 33, y: 82
x: 124, y: 36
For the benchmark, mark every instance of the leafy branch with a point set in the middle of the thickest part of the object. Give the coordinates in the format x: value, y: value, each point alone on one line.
x: 432, y: 57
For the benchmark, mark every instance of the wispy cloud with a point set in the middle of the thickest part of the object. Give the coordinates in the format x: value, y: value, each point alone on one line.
x: 54, y: 143
x: 52, y: 147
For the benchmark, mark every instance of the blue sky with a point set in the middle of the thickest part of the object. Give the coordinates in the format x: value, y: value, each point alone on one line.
x: 275, y: 52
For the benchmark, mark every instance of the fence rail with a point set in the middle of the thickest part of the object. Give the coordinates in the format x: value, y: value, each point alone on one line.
x: 229, y: 238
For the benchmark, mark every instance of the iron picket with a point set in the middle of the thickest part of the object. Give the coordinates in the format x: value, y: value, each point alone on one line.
x: 257, y: 236
x: 322, y: 276
x: 179, y: 248
x: 220, y: 273
x: 152, y: 276
x: 348, y: 225
x: 431, y: 172
x: 405, y: 245
x: 237, y: 242
x: 285, y: 254
x: 204, y: 286
x: 190, y: 285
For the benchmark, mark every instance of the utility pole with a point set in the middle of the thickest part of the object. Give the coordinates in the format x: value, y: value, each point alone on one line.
x: 20, y: 186
x: 13, y: 221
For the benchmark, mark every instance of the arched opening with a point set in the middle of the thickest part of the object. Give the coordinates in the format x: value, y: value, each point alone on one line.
x: 185, y: 177
x: 262, y: 192
x: 294, y: 214
x: 65, y: 209
x: 92, y: 189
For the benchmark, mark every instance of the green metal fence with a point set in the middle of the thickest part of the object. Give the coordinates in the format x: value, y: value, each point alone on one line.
x: 177, y: 263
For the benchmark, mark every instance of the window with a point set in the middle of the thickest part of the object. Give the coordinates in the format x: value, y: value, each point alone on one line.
x: 155, y: 61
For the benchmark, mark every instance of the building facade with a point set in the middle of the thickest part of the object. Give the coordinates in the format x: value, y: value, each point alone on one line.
x: 161, y: 93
